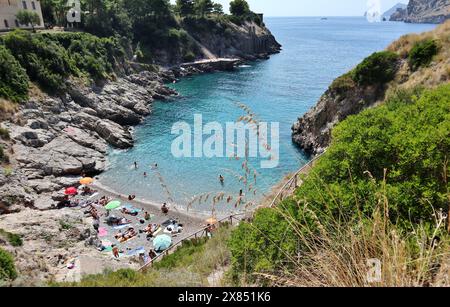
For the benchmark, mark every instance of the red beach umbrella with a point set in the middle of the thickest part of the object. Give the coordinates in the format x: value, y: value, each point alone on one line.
x: 71, y: 191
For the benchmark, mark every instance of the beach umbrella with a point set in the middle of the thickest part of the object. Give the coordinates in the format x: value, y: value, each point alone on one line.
x: 113, y: 205
x: 211, y: 221
x: 71, y: 191
x: 162, y: 242
x: 86, y: 181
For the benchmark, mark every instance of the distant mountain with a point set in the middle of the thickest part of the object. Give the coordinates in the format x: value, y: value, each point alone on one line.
x: 398, y: 6
x: 424, y: 11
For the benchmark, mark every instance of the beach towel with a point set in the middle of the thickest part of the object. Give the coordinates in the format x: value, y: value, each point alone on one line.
x: 102, y: 232
x: 121, y: 226
x: 131, y: 208
x: 93, y: 195
x: 136, y: 251
x: 127, y: 240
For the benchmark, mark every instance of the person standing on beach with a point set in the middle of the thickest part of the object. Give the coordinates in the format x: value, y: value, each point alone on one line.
x: 165, y: 209
x: 135, y: 165
x: 115, y: 251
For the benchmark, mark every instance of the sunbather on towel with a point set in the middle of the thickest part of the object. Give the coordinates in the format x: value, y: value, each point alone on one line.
x: 124, y: 221
x: 129, y: 234
x: 129, y: 212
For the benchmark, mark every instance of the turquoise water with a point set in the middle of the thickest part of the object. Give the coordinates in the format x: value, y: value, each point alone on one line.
x: 278, y: 90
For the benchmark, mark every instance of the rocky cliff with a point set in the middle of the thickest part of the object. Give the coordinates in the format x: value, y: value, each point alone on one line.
x: 424, y: 11
x: 313, y: 131
x: 248, y: 40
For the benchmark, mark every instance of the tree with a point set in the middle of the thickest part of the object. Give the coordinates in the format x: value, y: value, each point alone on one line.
x: 27, y: 17
x: 218, y: 9
x: 239, y: 8
x: 203, y: 7
x: 184, y: 7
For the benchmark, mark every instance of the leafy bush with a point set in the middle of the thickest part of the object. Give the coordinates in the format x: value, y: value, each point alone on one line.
x: 422, y: 53
x: 50, y: 58
x: 253, y: 250
x: 3, y: 156
x: 7, y: 268
x: 13, y: 78
x: 409, y: 136
x: 378, y: 68
x: 45, y: 61
x: 13, y: 239
x: 4, y: 133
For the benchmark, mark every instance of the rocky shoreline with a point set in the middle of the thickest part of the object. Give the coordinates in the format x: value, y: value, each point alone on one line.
x: 56, y: 139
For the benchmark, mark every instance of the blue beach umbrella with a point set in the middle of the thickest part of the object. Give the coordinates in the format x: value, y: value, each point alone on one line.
x: 162, y: 242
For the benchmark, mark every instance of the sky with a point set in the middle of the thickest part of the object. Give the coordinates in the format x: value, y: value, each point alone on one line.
x: 312, y: 7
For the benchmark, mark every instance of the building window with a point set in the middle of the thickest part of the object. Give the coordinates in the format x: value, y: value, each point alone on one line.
x: 33, y: 5
x: 6, y: 23
x: 24, y: 4
x: 17, y: 23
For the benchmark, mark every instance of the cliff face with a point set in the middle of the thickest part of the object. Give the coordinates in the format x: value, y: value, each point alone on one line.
x: 424, y: 11
x: 210, y: 39
x: 248, y: 40
x: 312, y: 132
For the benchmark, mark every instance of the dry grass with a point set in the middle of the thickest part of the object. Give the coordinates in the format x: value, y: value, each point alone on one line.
x: 438, y: 71
x: 7, y: 109
x: 341, y: 254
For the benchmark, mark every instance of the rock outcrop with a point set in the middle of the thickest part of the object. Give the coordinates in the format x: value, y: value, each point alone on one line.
x: 424, y: 11
x: 312, y: 132
x: 247, y: 41
x: 57, y: 138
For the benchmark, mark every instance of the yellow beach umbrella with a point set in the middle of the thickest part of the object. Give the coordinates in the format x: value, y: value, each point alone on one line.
x: 86, y: 180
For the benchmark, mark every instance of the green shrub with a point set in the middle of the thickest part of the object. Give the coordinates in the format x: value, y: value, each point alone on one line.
x: 7, y: 171
x: 13, y: 239
x: 409, y: 136
x: 189, y: 56
x: 4, y: 133
x: 45, y: 61
x: 49, y: 59
x: 378, y: 68
x: 261, y: 246
x: 422, y: 53
x: 3, y: 156
x: 7, y: 268
x: 13, y: 78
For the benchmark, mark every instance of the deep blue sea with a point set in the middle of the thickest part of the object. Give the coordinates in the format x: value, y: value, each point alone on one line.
x: 280, y: 90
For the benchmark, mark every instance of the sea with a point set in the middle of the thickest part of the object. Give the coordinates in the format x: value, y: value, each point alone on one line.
x: 275, y: 92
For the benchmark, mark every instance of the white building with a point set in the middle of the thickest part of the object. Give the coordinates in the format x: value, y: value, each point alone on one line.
x: 9, y: 9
